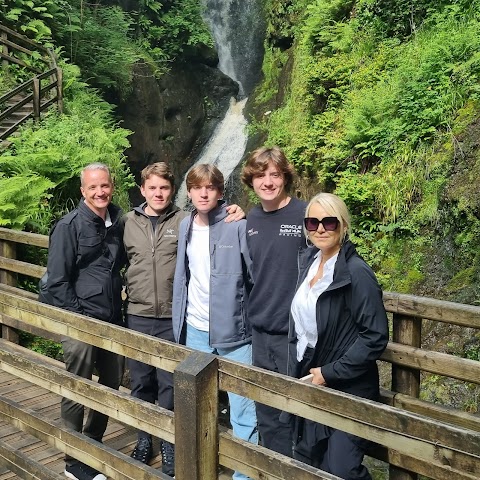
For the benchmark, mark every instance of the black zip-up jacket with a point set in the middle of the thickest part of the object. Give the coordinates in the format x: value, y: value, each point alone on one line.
x: 84, y: 263
x: 352, y: 326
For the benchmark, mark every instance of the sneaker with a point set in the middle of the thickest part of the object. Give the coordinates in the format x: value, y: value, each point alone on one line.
x: 80, y: 471
x: 167, y: 450
x: 143, y: 450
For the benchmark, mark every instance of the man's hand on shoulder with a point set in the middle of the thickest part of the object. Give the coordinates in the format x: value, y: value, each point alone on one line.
x: 235, y: 213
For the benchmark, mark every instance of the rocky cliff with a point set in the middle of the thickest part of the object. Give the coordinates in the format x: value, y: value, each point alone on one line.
x: 173, y: 116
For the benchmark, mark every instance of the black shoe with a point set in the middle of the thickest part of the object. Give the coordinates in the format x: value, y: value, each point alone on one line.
x: 167, y: 450
x: 80, y: 471
x: 143, y: 450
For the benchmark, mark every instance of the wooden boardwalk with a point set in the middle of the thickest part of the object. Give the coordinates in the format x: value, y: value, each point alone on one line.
x: 118, y: 436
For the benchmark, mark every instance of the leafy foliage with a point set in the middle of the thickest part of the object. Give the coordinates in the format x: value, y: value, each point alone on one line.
x: 172, y: 28
x: 40, y: 169
x: 41, y: 345
x: 32, y: 17
x: 105, y: 40
x: 371, y: 110
x: 101, y: 46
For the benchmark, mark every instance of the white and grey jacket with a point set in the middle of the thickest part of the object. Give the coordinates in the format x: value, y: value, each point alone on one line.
x: 230, y: 280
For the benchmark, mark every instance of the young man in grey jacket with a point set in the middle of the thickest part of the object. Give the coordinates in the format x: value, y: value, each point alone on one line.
x: 211, y: 287
x: 150, y: 239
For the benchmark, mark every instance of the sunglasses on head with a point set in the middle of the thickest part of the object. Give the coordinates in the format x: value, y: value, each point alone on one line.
x: 329, y: 223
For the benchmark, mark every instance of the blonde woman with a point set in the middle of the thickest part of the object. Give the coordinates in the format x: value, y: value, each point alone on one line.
x: 338, y: 329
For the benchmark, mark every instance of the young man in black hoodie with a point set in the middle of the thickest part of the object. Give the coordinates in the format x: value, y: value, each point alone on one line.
x: 274, y: 236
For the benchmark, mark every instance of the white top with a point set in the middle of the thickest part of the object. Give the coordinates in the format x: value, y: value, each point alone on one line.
x: 304, y: 304
x: 108, y: 220
x: 198, y: 299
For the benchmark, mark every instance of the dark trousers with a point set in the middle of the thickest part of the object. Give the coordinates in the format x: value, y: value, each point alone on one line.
x: 332, y: 450
x: 146, y: 382
x: 271, y: 352
x: 82, y: 359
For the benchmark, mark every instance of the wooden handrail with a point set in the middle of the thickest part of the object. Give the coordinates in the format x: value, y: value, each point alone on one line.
x: 419, y: 438
x: 39, y: 90
x: 19, y: 88
x: 412, y: 435
x: 22, y: 38
x: 19, y: 62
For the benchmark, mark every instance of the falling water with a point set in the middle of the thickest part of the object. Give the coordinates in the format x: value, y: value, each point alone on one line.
x: 225, y: 147
x: 237, y: 29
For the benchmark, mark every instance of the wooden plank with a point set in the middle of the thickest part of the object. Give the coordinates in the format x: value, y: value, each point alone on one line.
x: 422, y: 468
x: 60, y: 90
x: 22, y: 465
x: 8, y: 250
x: 432, y: 309
x: 433, y: 362
x: 444, y: 413
x: 407, y: 331
x: 15, y: 46
x: 36, y: 98
x: 24, y: 237
x: 144, y: 348
x: 25, y: 327
x: 24, y: 268
x: 259, y: 462
x: 196, y: 417
x: 19, y: 62
x: 406, y: 432
x: 22, y: 38
x: 114, y: 464
x: 118, y: 405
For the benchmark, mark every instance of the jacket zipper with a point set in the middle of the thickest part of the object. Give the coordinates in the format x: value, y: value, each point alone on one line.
x: 153, y: 238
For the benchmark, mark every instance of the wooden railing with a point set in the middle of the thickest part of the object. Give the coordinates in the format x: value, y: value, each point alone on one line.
x: 414, y: 437
x: 39, y: 93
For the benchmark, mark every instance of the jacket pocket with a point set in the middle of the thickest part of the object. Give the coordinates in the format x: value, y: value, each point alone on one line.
x: 88, y: 291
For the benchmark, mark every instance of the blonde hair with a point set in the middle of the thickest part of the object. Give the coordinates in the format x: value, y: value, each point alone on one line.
x: 335, y: 207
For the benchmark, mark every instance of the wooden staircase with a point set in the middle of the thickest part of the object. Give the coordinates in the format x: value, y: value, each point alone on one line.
x: 30, y: 98
x: 18, y: 115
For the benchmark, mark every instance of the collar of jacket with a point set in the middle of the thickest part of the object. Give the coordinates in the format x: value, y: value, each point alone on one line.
x: 169, y: 211
x: 341, y: 274
x: 114, y: 211
x: 216, y: 215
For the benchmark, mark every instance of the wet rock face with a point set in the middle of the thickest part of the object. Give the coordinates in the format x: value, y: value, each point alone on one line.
x: 168, y: 115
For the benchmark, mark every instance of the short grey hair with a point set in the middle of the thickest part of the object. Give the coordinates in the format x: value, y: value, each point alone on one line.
x: 95, y: 166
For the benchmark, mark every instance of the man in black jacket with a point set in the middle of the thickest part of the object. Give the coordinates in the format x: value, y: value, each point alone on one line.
x: 85, y: 256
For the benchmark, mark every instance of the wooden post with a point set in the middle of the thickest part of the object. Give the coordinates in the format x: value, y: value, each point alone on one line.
x: 406, y: 330
x: 36, y: 98
x: 60, y: 90
x: 7, y: 250
x: 196, y: 417
x: 4, y: 49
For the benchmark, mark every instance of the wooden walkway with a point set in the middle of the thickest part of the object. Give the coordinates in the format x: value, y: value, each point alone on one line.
x: 117, y: 436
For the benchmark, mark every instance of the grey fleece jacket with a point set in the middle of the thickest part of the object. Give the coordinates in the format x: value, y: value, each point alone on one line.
x: 230, y: 268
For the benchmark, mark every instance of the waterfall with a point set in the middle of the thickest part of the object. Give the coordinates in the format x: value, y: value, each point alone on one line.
x: 237, y: 28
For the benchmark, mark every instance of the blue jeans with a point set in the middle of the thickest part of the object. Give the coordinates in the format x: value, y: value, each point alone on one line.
x: 242, y: 410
